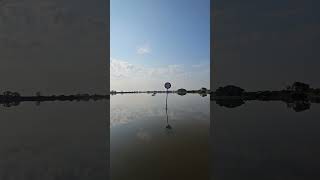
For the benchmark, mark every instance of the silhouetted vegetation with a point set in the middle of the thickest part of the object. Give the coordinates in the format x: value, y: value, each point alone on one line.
x: 182, y: 92
x: 297, y: 96
x: 9, y: 98
x: 229, y: 91
x: 229, y: 103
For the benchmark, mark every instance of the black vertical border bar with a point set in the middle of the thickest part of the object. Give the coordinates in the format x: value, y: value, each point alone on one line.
x: 212, y: 54
x: 107, y: 59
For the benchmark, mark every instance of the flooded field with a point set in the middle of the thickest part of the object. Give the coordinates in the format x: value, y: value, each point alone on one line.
x: 265, y: 140
x: 56, y: 140
x: 148, y: 142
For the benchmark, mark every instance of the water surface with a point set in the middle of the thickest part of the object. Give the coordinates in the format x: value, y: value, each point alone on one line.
x: 56, y: 140
x: 144, y: 147
x: 265, y: 140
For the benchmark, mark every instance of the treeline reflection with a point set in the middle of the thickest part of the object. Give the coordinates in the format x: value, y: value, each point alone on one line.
x: 297, y: 106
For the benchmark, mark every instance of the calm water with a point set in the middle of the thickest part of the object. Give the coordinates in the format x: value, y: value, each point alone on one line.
x: 143, y: 148
x: 68, y: 140
x: 54, y: 141
x: 265, y: 140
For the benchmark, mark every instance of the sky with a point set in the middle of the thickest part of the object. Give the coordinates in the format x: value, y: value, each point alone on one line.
x: 158, y: 41
x: 268, y: 44
x: 53, y: 46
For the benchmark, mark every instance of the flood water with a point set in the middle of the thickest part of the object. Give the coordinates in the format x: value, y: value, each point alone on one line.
x: 69, y: 140
x: 56, y: 140
x: 144, y: 145
x: 265, y: 140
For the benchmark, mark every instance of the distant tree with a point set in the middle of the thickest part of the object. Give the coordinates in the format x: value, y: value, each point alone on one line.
x: 11, y: 94
x: 15, y: 94
x: 182, y: 91
x: 203, y: 90
x: 288, y: 88
x: 229, y: 90
x: 7, y: 93
x: 300, y: 87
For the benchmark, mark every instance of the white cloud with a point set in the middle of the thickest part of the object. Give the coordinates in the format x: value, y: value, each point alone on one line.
x: 123, y: 69
x: 145, y: 49
x: 201, y: 65
x: 127, y: 76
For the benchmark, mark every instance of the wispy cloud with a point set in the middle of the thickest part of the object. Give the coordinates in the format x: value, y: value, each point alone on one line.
x: 202, y: 65
x: 127, y: 76
x: 145, y: 49
x: 123, y: 69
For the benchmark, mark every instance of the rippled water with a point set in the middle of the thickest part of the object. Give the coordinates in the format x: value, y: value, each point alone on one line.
x: 144, y: 147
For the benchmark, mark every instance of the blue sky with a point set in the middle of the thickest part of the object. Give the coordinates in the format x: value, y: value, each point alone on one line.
x: 153, y: 41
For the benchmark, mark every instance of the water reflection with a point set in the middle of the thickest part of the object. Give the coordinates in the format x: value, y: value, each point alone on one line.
x: 168, y: 125
x: 153, y: 139
x: 265, y: 140
x: 57, y: 140
x: 143, y: 148
x: 297, y: 105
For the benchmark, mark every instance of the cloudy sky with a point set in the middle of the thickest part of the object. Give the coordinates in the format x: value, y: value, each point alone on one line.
x: 155, y: 41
